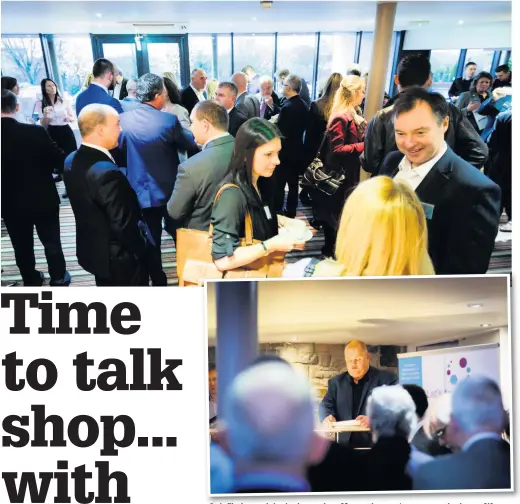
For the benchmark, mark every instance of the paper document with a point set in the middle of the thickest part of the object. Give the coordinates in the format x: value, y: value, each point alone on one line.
x: 347, y: 423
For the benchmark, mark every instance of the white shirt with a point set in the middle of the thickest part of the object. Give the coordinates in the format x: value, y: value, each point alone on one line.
x: 99, y: 148
x: 414, y: 176
x: 221, y: 135
x: 61, y: 113
x: 200, y: 94
x: 477, y: 437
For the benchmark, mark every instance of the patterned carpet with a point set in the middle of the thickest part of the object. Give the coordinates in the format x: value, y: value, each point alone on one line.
x: 500, y: 260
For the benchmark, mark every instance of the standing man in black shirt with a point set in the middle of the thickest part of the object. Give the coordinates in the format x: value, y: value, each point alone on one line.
x: 347, y: 393
x: 462, y: 84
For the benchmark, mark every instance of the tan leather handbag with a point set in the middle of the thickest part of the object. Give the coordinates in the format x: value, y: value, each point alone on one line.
x: 195, y: 262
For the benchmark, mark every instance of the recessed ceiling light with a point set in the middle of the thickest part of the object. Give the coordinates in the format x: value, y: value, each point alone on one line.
x: 485, y: 325
x: 475, y: 305
x: 461, y: 21
x: 98, y: 14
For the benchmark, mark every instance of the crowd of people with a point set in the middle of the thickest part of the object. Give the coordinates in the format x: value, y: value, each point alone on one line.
x: 275, y: 443
x: 154, y: 156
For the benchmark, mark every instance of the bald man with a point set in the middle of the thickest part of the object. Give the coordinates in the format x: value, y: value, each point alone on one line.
x: 245, y: 103
x: 347, y: 394
x: 111, y: 237
x: 195, y: 92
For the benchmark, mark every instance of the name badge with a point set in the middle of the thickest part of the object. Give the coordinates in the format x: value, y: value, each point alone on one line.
x: 268, y: 212
x: 428, y: 210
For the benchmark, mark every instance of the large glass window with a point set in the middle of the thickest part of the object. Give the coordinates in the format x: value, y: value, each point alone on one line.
x: 201, y: 53
x: 444, y: 69
x: 336, y: 55
x: 123, y: 55
x: 365, y: 51
x: 74, y: 59
x: 165, y: 57
x: 224, y: 57
x: 296, y: 52
x: 254, y: 50
x: 482, y: 57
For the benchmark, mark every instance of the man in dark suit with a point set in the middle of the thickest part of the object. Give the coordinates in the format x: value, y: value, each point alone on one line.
x: 110, y: 233
x: 292, y: 122
x: 304, y: 88
x: 461, y: 204
x: 29, y: 196
x: 269, y: 101
x: 104, y: 73
x: 150, y: 142
x: 484, y: 459
x: 120, y: 91
x: 504, y: 76
x: 246, y: 103
x: 226, y: 95
x: 462, y: 84
x: 198, y: 178
x: 347, y: 393
x: 194, y: 93
x: 415, y: 70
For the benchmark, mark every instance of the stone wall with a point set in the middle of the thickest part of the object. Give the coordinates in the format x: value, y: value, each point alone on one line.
x: 320, y: 361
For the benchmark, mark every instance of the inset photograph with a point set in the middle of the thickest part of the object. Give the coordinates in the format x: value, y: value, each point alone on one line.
x: 359, y: 385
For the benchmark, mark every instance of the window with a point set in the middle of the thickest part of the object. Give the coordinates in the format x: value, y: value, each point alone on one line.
x: 254, y: 50
x: 365, y: 52
x: 482, y: 57
x: 297, y: 52
x: 201, y: 53
x: 336, y: 55
x: 165, y: 57
x: 123, y: 55
x: 74, y: 60
x: 224, y: 57
x: 444, y: 69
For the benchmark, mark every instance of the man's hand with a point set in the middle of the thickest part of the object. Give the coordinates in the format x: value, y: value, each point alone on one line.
x: 328, y: 421
x: 363, y: 420
x: 268, y: 101
x: 472, y: 106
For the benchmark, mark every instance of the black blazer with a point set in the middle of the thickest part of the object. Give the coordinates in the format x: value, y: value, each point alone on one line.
x: 29, y: 157
x: 109, y: 229
x: 292, y: 122
x: 484, y: 465
x: 338, y: 400
x: 188, y: 98
x: 466, y: 213
x: 501, y: 149
x: 236, y: 119
x: 314, y: 132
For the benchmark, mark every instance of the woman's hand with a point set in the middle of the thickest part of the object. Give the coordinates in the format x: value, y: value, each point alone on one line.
x: 284, y: 242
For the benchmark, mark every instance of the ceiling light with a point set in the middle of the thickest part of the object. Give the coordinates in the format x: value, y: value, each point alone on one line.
x: 485, y: 325
x: 461, y: 21
x: 98, y: 14
x: 475, y: 305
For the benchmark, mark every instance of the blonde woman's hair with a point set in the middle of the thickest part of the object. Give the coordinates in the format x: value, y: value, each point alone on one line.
x: 211, y: 88
x: 344, y: 97
x: 383, y: 231
x: 88, y: 80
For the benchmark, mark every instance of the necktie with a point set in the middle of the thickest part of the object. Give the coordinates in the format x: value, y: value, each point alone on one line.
x: 263, y: 106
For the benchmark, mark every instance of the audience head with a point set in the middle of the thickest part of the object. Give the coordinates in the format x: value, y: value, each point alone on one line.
x: 173, y: 94
x: 419, y: 398
x: 151, y: 90
x: 349, y: 95
x: 357, y: 359
x: 470, y: 69
x: 118, y: 74
x: 198, y: 79
x: 208, y: 119
x: 329, y: 92
x: 9, y: 103
x: 99, y: 125
x: 503, y: 73
x: 240, y: 80
x: 292, y: 85
x: 11, y: 84
x: 226, y: 94
x: 282, y: 74
x: 420, y: 122
x: 482, y: 82
x: 414, y: 70
x: 249, y: 71
x: 212, y: 381
x: 391, y: 412
x: 50, y: 94
x: 353, y: 70
x: 476, y: 408
x: 131, y: 88
x: 437, y: 418
x: 383, y: 231
x: 211, y: 88
x: 257, y: 145
x: 270, y: 419
x: 266, y: 86
x: 104, y: 73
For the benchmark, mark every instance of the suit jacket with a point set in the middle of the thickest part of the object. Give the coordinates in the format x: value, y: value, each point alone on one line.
x: 109, y: 229
x: 460, y: 136
x: 459, y: 86
x: 466, y: 213
x: 150, y: 142
x: 188, y: 98
x: 197, y: 183
x: 338, y: 400
x: 292, y: 122
x: 29, y: 157
x: 236, y: 119
x: 501, y: 149
x: 248, y: 105
x: 485, y: 465
x: 269, y: 112
x: 96, y: 94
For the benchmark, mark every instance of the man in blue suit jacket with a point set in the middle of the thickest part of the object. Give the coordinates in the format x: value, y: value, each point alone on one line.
x: 150, y: 142
x: 347, y: 393
x: 103, y: 82
x: 461, y: 204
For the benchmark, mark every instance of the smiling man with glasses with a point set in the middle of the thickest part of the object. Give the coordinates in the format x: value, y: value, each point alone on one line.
x: 347, y: 394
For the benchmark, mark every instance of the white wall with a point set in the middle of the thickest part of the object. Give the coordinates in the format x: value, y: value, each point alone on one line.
x: 488, y: 36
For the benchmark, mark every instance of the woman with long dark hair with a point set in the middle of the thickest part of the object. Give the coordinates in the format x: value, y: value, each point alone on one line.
x: 252, y: 165
x: 173, y: 103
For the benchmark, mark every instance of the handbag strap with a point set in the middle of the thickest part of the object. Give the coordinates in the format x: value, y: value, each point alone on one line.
x: 322, y: 143
x: 248, y: 219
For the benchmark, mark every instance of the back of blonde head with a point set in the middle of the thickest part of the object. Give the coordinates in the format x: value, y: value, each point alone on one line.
x: 383, y: 231
x: 346, y: 94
